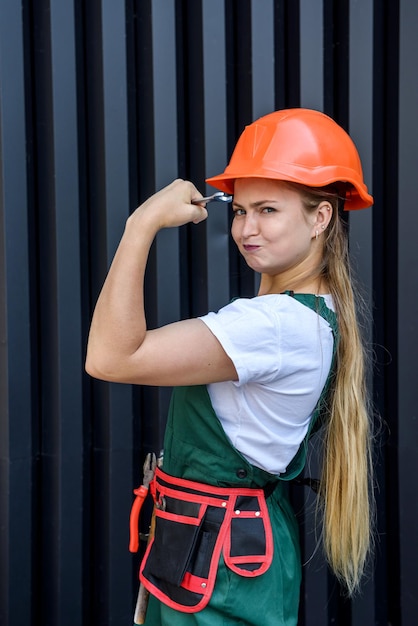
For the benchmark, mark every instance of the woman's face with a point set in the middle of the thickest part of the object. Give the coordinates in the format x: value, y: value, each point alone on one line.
x: 272, y: 230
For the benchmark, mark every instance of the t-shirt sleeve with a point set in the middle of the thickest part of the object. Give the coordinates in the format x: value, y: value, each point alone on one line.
x: 250, y: 335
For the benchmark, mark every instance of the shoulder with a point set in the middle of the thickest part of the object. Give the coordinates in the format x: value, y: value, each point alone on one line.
x: 268, y: 304
x: 260, y: 309
x: 273, y: 312
x: 276, y: 304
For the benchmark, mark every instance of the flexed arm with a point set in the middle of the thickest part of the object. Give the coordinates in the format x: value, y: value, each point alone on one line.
x: 120, y: 348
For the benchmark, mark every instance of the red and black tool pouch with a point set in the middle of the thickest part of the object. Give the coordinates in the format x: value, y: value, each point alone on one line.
x: 194, y: 523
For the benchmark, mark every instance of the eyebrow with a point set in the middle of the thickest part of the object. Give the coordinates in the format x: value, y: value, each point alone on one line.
x: 254, y: 205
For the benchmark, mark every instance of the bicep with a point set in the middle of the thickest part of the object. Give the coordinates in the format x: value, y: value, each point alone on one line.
x: 183, y: 353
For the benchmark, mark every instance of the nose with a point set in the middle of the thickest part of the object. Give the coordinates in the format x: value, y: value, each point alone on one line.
x: 249, y: 224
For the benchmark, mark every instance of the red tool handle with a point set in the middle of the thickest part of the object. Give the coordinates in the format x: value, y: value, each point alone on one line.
x: 141, y: 494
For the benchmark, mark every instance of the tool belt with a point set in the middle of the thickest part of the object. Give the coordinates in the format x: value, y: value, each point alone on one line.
x: 194, y: 523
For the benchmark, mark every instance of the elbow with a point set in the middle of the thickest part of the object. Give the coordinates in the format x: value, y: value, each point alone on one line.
x: 100, y: 368
x: 92, y: 369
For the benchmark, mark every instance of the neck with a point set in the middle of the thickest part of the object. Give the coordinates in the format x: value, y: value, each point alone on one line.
x: 299, y: 280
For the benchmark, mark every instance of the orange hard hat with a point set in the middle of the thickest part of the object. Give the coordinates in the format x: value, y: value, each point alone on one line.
x: 301, y: 146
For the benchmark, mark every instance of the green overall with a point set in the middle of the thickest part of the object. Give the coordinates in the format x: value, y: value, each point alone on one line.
x: 197, y: 448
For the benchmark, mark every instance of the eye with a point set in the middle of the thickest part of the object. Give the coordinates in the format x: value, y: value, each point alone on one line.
x: 268, y: 209
x: 237, y: 212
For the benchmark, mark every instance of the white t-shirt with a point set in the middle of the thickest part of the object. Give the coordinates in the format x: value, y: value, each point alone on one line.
x: 282, y: 352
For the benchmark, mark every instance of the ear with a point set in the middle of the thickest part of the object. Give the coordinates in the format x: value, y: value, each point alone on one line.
x: 323, y: 215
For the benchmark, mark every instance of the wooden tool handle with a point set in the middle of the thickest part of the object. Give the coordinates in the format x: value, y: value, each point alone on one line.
x: 141, y: 605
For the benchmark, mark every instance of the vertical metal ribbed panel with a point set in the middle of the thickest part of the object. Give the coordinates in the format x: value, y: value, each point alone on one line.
x: 311, y: 54
x: 67, y: 359
x: 115, y: 594
x: 18, y: 398
x: 101, y: 104
x: 407, y: 307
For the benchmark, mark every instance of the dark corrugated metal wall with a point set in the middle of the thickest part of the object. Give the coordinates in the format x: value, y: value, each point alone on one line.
x: 101, y: 103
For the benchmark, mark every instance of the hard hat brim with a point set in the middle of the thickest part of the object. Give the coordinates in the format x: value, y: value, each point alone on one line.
x: 356, y: 197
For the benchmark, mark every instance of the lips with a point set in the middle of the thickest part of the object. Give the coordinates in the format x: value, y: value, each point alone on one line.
x: 250, y: 248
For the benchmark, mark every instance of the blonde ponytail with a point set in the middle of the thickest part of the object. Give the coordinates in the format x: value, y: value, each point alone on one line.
x: 346, y: 478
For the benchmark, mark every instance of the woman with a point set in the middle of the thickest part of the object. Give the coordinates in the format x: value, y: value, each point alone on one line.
x: 252, y: 382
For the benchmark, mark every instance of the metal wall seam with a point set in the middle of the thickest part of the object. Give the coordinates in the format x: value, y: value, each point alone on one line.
x: 17, y: 569
x: 119, y: 456
x: 191, y: 153
x: 408, y: 309
x: 239, y: 113
x: 262, y: 73
x: 336, y: 57
x: 287, y: 53
x: 385, y: 259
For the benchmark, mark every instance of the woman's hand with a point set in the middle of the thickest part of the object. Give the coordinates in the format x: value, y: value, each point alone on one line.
x: 171, y: 206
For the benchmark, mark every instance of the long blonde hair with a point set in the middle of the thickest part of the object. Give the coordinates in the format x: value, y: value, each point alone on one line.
x: 345, y: 495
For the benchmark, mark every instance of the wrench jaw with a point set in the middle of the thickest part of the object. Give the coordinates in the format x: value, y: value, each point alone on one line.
x: 219, y: 196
